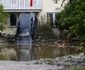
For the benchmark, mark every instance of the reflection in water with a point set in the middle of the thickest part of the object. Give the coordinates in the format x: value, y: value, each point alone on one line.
x: 24, y: 45
x: 25, y: 52
x: 49, y: 51
x: 8, y: 54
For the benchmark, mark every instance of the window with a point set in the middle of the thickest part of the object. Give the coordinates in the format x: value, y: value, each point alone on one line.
x: 13, y: 19
x: 51, y: 18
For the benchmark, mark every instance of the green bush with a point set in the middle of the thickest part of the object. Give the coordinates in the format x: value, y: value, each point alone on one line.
x: 3, y: 17
x: 73, y: 18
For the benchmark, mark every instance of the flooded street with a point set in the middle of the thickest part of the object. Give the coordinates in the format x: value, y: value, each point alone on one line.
x: 20, y: 51
x: 26, y: 51
x: 42, y: 54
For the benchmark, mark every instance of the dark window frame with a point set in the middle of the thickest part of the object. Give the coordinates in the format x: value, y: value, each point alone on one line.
x: 9, y: 23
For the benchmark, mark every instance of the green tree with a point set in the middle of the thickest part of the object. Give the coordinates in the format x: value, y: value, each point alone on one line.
x: 3, y: 17
x: 73, y: 18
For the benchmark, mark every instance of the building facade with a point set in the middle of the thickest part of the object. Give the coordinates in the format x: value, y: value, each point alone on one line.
x: 43, y: 8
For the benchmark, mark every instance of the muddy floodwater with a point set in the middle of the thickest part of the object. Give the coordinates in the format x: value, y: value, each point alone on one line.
x: 23, y: 52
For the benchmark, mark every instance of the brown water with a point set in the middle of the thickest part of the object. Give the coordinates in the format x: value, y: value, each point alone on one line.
x: 10, y: 51
x: 49, y: 51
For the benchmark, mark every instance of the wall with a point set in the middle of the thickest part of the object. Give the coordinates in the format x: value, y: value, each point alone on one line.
x: 49, y: 6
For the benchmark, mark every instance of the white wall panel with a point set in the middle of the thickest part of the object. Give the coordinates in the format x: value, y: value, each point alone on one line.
x: 21, y: 4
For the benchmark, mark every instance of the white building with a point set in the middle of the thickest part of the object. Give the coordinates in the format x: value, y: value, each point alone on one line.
x: 43, y: 8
